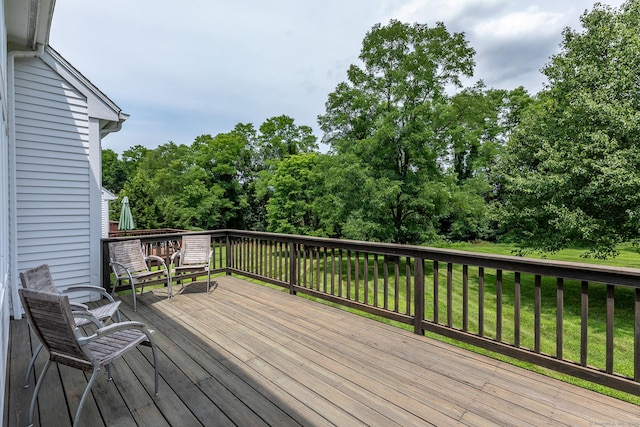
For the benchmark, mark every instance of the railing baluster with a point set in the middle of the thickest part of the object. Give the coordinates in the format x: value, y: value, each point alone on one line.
x: 449, y: 294
x: 419, y: 296
x: 386, y: 284
x: 610, y: 320
x: 292, y: 266
x: 366, y: 278
x: 407, y: 274
x: 287, y: 261
x: 340, y: 272
x: 375, y: 280
x: 465, y: 298
x: 348, y: 274
x: 499, y: 305
x: 537, y: 308
x: 324, y: 276
x: 260, y: 257
x: 396, y: 270
x: 559, y: 316
x: 436, y: 284
x: 333, y: 271
x: 636, y: 335
x: 584, y: 322
x: 305, y: 265
x: 357, y: 276
x: 516, y: 308
x: 318, y: 250
x: 481, y: 301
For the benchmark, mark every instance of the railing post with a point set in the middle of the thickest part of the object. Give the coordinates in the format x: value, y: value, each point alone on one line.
x: 292, y: 267
x: 418, y: 296
x: 106, y: 270
x: 228, y: 255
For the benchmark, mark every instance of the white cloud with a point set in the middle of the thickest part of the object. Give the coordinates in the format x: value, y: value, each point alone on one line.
x: 517, y: 25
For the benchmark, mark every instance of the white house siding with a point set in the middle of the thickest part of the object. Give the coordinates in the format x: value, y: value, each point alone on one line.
x: 53, y: 174
x: 4, y: 209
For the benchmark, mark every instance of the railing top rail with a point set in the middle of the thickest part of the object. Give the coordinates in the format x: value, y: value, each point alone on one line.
x: 567, y: 270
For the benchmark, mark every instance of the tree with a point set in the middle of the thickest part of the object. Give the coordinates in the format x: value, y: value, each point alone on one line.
x: 391, y: 117
x: 226, y: 161
x: 280, y: 138
x: 480, y: 122
x: 113, y: 174
x: 295, y: 184
x: 571, y: 171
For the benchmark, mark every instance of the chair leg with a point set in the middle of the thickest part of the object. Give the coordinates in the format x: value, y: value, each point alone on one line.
x: 87, y: 389
x: 31, y: 363
x: 155, y: 365
x: 133, y: 291
x: 34, y: 398
x: 208, y: 279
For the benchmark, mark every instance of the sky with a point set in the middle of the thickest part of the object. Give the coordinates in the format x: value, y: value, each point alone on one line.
x: 194, y: 67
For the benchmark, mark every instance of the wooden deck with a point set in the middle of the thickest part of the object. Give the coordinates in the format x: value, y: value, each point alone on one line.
x: 249, y: 355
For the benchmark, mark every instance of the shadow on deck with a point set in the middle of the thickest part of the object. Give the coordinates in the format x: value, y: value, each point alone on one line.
x: 251, y: 355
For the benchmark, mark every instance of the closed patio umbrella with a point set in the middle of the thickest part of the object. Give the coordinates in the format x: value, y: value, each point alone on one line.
x: 126, y: 219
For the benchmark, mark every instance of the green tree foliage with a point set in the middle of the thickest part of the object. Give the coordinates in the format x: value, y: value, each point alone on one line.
x: 480, y: 122
x: 113, y: 174
x: 394, y: 118
x: 294, y: 186
x: 226, y: 162
x: 280, y: 138
x: 571, y: 173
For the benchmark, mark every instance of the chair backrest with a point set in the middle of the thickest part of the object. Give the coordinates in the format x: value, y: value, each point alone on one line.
x: 128, y: 253
x: 195, y: 249
x: 50, y: 318
x: 38, y: 279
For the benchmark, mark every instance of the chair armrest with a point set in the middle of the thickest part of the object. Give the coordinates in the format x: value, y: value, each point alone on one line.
x: 88, y: 315
x: 78, y: 306
x: 115, y: 327
x: 113, y: 263
x: 157, y: 258
x: 154, y: 257
x: 175, y: 255
x: 91, y: 288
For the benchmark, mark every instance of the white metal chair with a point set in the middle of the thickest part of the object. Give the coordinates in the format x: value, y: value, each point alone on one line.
x: 130, y: 264
x: 39, y: 279
x: 51, y: 319
x: 193, y: 258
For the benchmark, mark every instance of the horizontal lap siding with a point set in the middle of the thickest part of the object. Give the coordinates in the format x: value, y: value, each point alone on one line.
x: 4, y: 223
x: 52, y: 174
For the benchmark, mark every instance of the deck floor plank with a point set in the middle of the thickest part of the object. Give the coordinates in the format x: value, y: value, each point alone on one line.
x: 251, y: 355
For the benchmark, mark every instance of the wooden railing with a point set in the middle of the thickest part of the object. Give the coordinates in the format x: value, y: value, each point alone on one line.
x: 511, y: 305
x: 147, y: 232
